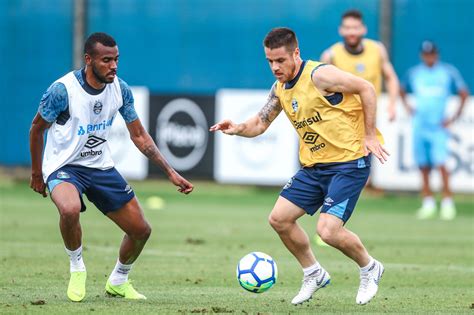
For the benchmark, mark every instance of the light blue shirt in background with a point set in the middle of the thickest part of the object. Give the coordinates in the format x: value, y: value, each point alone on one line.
x: 431, y: 87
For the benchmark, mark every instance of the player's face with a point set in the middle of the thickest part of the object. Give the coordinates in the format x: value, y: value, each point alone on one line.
x: 352, y: 30
x: 282, y: 63
x: 429, y: 59
x: 104, y: 63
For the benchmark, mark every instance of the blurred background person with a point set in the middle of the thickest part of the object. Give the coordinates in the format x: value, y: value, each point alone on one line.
x: 363, y: 57
x: 431, y: 83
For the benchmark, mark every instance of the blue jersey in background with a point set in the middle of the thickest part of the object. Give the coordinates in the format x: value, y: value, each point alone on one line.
x: 431, y: 87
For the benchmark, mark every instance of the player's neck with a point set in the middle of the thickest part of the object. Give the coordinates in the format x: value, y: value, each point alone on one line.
x: 92, y: 80
x: 298, y: 64
x: 354, y: 50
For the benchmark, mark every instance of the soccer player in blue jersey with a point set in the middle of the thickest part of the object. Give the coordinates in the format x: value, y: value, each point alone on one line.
x: 77, y: 112
x: 431, y: 82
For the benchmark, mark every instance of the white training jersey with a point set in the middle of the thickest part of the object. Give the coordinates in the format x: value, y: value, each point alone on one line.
x: 81, y: 138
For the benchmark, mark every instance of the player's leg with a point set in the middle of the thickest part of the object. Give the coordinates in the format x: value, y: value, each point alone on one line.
x: 298, y: 197
x: 425, y: 178
x: 115, y: 198
x: 447, y: 193
x: 439, y: 157
x: 283, y: 220
x: 422, y: 149
x: 333, y: 232
x: 66, y: 197
x: 343, y: 193
x: 131, y: 220
x: 428, y: 206
x: 448, y: 208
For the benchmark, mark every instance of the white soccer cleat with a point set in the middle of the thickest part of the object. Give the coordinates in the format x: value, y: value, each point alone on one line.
x: 312, y: 283
x: 369, y: 283
x: 448, y: 212
x: 426, y: 212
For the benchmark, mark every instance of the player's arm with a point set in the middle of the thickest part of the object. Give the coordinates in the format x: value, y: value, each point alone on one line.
x: 391, y: 82
x: 53, y: 102
x: 38, y: 127
x: 405, y: 88
x: 463, y: 95
x: 255, y: 125
x: 462, y: 91
x: 326, y: 57
x: 143, y: 141
x: 329, y: 79
x: 404, y: 98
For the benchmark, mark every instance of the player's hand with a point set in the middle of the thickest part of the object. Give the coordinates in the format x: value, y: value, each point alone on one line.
x: 448, y: 122
x: 226, y: 126
x: 185, y: 187
x: 392, y: 112
x: 38, y: 185
x: 410, y: 109
x: 372, y: 145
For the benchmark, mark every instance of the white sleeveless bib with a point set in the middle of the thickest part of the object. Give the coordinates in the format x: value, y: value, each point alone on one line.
x: 82, y: 140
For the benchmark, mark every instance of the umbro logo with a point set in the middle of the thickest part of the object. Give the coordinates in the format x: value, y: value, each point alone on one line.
x: 128, y: 189
x: 328, y: 201
x: 93, y: 142
x: 288, y: 184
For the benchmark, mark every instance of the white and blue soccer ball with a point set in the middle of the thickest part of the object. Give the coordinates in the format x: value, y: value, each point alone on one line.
x: 257, y: 272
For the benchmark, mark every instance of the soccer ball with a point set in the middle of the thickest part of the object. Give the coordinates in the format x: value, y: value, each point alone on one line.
x: 257, y: 272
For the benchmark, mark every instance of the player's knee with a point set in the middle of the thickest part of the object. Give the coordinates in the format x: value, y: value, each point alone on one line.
x: 69, y: 211
x: 277, y: 223
x: 327, y: 232
x: 143, y: 233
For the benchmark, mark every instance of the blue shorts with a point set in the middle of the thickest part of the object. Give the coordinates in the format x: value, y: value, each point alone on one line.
x: 334, y: 186
x: 106, y: 189
x: 430, y: 146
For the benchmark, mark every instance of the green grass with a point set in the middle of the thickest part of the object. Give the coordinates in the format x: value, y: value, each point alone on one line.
x: 188, y: 265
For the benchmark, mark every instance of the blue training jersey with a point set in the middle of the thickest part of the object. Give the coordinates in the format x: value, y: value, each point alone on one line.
x: 431, y: 87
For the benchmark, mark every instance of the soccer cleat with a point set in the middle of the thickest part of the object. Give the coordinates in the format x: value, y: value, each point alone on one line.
x: 124, y: 290
x: 448, y: 212
x: 369, y: 283
x: 312, y: 283
x: 76, y: 290
x: 426, y: 212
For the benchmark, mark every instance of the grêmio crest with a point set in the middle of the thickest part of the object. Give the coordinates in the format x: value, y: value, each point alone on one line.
x: 97, y: 107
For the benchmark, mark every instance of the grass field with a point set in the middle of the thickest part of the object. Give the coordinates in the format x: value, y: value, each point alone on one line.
x: 188, y: 265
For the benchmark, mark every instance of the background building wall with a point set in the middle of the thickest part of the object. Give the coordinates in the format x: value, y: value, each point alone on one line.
x: 36, y: 49
x: 198, y: 46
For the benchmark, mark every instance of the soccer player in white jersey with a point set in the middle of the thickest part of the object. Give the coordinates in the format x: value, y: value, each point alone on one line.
x: 77, y: 112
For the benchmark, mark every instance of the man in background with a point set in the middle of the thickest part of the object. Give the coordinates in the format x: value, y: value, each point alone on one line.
x: 363, y: 57
x: 431, y: 83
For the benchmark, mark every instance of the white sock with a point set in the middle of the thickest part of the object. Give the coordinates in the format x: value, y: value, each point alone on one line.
x: 120, y: 273
x: 447, y: 202
x: 366, y: 268
x: 309, y: 270
x: 75, y: 260
x: 429, y: 202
